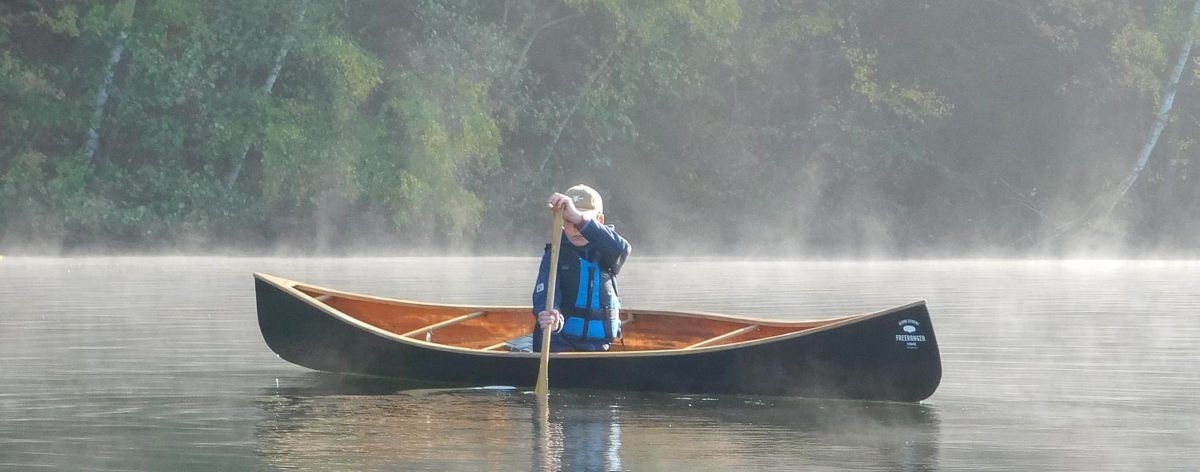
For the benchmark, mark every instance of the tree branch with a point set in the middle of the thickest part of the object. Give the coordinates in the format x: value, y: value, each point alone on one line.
x: 570, y: 113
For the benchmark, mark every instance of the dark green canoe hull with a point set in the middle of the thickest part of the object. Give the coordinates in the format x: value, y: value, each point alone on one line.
x: 875, y: 358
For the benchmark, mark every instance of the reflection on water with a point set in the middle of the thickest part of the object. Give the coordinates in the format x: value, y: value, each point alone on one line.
x: 157, y: 364
x: 332, y: 422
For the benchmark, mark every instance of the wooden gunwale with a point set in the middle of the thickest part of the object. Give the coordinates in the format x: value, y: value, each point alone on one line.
x: 804, y: 328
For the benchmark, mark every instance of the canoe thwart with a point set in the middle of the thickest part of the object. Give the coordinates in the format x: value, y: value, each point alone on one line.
x: 736, y: 332
x: 452, y: 321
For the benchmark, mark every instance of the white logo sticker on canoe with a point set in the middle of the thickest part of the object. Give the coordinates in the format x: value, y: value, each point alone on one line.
x: 910, y: 338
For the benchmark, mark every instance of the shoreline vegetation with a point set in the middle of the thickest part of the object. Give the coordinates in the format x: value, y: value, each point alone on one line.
x: 814, y: 129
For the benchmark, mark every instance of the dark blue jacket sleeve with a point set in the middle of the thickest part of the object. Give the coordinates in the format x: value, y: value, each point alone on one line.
x: 613, y: 249
x: 539, y: 287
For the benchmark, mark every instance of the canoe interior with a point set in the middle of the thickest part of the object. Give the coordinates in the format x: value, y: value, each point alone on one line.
x: 467, y: 327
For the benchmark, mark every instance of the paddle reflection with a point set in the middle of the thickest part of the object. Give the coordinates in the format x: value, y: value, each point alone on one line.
x: 321, y: 421
x: 581, y: 433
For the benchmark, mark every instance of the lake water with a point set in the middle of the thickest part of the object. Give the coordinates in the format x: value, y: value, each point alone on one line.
x: 157, y: 364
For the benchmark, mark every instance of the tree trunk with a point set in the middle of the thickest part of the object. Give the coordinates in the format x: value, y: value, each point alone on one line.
x: 1160, y: 119
x: 268, y: 85
x: 523, y: 56
x: 570, y: 113
x: 93, y: 132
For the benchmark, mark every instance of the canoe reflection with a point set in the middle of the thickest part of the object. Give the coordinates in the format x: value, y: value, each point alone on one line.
x: 323, y: 421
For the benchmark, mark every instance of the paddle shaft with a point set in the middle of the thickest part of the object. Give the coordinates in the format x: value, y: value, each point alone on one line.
x: 543, y: 382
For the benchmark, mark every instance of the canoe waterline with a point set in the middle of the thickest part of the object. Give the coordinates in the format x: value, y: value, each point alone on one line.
x: 886, y: 355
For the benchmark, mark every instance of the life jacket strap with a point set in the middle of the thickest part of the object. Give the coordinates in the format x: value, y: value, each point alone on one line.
x: 600, y: 330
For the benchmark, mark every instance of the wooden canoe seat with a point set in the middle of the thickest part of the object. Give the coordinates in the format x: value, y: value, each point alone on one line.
x: 520, y: 344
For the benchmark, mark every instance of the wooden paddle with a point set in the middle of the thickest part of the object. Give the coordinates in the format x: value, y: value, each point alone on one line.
x: 543, y: 382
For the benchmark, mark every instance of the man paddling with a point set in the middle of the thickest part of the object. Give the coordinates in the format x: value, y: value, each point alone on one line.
x: 588, y: 267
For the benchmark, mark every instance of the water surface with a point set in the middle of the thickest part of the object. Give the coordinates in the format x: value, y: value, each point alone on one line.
x: 157, y: 364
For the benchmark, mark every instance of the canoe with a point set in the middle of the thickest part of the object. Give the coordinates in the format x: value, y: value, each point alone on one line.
x: 889, y: 355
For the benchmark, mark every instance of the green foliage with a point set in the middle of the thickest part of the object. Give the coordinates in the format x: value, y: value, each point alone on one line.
x: 64, y: 21
x: 444, y: 123
x: 907, y: 102
x: 653, y: 22
x: 1141, y: 57
x: 448, y: 129
x: 350, y: 73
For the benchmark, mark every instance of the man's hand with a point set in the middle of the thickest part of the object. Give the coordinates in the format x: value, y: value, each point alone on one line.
x: 570, y: 213
x: 552, y: 320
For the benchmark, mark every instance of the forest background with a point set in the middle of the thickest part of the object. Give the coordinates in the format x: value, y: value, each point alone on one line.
x: 802, y: 128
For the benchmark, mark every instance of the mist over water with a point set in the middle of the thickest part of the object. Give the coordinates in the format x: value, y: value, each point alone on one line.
x: 156, y: 363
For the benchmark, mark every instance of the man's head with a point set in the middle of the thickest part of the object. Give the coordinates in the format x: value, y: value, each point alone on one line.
x: 587, y: 200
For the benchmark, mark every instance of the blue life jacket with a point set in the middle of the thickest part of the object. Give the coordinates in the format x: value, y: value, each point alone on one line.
x: 590, y: 304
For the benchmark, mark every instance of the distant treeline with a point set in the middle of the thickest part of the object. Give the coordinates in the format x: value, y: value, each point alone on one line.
x: 797, y: 127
